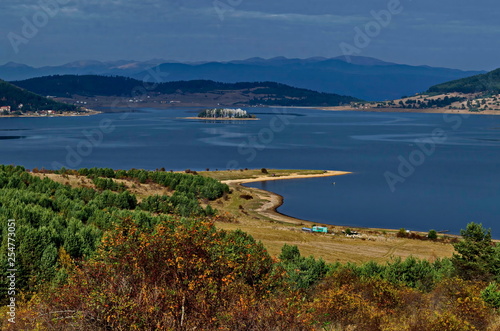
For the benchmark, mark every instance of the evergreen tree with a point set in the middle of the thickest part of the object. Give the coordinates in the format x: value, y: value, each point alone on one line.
x: 476, y: 257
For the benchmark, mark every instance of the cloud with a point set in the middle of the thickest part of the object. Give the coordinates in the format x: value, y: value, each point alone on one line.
x: 460, y: 27
x: 311, y: 19
x: 188, y: 28
x: 93, y: 9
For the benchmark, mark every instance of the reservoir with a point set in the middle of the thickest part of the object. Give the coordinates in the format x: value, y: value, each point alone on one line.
x: 417, y: 171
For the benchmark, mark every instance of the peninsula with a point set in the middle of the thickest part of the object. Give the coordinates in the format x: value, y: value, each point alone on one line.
x: 18, y: 102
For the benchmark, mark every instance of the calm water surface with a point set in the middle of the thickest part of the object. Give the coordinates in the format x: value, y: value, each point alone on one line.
x: 456, y: 183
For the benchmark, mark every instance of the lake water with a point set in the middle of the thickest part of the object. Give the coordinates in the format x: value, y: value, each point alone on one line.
x: 451, y: 179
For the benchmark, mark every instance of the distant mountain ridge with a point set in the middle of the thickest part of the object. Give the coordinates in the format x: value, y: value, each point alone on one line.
x: 365, y: 81
x: 488, y: 82
x: 17, y: 71
x: 251, y: 93
x: 363, y: 77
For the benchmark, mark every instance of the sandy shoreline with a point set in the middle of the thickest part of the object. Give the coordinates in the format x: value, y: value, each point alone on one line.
x: 90, y: 113
x: 274, y: 200
x: 219, y: 119
x: 265, y: 178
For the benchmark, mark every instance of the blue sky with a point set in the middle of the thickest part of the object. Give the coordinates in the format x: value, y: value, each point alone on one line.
x: 448, y: 33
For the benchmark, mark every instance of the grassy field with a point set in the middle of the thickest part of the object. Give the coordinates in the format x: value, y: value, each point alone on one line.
x: 275, y: 230
x: 253, y: 211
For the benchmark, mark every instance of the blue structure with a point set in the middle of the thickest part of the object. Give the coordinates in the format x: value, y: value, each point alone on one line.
x: 320, y: 229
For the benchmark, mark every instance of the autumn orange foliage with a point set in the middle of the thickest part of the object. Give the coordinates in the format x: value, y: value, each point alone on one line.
x: 186, y: 274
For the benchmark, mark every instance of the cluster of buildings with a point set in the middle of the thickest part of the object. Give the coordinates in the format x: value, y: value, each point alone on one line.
x: 9, y: 108
x: 45, y: 112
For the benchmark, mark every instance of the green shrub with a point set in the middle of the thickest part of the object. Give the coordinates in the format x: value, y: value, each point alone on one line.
x: 432, y: 235
x: 402, y: 233
x: 491, y: 295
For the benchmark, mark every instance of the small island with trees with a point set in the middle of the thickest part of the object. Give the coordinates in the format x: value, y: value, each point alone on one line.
x: 224, y: 114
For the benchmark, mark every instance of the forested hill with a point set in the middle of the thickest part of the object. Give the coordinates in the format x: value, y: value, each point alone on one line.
x: 489, y: 82
x: 89, y: 85
x: 254, y: 93
x: 22, y: 101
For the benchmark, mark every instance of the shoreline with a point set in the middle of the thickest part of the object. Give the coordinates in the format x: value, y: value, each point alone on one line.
x: 83, y: 114
x: 412, y: 111
x: 327, y: 173
x: 219, y: 119
x: 274, y: 200
x: 269, y: 209
x: 332, y: 108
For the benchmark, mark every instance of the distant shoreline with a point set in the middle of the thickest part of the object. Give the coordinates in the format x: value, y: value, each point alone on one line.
x: 220, y: 118
x: 87, y: 113
x: 409, y: 110
x: 336, y: 108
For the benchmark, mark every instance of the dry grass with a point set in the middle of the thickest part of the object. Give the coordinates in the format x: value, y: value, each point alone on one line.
x: 256, y: 173
x: 275, y: 230
x: 488, y: 105
x: 140, y: 190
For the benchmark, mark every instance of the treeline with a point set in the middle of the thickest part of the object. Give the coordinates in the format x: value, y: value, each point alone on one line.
x: 87, y: 85
x: 430, y: 103
x: 91, y: 85
x: 488, y: 82
x: 199, y: 186
x: 188, y: 189
x: 23, y: 101
x: 54, y: 220
x: 422, y: 104
x: 284, y: 95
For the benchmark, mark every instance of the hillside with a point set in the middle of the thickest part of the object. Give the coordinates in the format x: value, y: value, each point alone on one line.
x: 21, y: 101
x: 476, y: 94
x: 454, y: 102
x: 364, y: 77
x: 202, y: 92
x: 489, y: 83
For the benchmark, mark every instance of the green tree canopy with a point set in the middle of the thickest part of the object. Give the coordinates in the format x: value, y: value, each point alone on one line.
x: 476, y: 257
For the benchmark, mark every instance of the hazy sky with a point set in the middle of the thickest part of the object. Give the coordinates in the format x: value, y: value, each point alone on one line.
x: 450, y: 33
